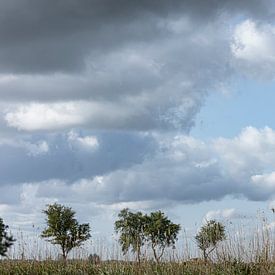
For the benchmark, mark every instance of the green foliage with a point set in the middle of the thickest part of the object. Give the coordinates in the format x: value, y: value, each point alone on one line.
x: 131, y: 228
x: 209, y: 236
x: 136, y: 229
x: 63, y: 229
x: 6, y: 240
x: 160, y: 233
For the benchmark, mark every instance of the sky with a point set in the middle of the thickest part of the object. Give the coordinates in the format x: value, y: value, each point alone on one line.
x: 143, y: 104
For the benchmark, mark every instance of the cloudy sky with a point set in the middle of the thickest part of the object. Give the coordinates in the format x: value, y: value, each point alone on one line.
x: 142, y: 104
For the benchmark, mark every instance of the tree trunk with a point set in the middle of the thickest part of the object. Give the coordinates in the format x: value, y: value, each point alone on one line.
x: 205, y: 255
x: 155, y: 254
x: 161, y: 254
x: 138, y: 254
x: 64, y: 254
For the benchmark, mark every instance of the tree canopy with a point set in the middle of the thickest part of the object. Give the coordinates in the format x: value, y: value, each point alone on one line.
x: 131, y: 227
x: 138, y: 229
x: 63, y: 229
x: 6, y: 240
x: 160, y: 233
x: 209, y: 236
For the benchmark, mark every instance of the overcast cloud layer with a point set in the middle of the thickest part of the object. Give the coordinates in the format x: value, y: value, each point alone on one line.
x: 104, y: 64
x: 97, y: 100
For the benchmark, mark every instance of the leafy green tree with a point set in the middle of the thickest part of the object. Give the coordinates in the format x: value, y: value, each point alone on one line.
x: 131, y: 227
x: 6, y: 240
x: 137, y: 229
x: 160, y: 233
x: 63, y: 229
x: 209, y: 236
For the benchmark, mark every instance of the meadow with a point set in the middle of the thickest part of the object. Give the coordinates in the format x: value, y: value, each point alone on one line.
x: 120, y: 267
x: 246, y: 250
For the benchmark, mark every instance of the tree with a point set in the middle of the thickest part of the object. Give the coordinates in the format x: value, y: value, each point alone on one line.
x: 63, y: 229
x: 136, y: 229
x: 6, y: 240
x: 160, y: 233
x: 131, y: 227
x: 209, y: 236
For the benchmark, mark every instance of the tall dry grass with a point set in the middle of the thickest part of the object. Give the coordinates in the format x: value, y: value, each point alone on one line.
x: 248, y: 249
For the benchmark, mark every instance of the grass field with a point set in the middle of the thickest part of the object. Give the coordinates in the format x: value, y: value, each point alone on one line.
x: 85, y: 267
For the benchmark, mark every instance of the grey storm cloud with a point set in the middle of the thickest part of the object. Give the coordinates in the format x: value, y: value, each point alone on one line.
x: 70, y: 156
x: 138, y: 65
x: 49, y: 36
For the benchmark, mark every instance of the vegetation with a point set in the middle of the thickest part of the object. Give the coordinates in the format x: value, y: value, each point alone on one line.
x: 209, y: 236
x: 160, y: 233
x: 138, y: 229
x: 63, y: 229
x: 145, y: 237
x: 127, y: 268
x: 6, y: 240
x: 94, y: 258
x: 131, y: 227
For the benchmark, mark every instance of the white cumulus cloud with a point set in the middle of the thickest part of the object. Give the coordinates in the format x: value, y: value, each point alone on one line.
x: 254, y: 48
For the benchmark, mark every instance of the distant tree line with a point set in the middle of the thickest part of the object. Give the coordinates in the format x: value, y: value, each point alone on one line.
x: 135, y: 230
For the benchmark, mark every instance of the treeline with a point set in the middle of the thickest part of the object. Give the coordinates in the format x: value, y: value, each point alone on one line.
x: 135, y: 230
